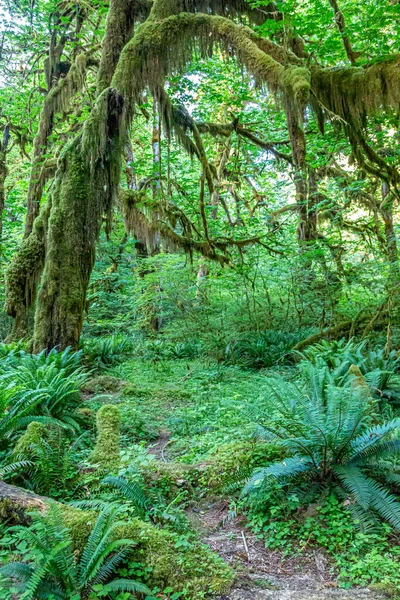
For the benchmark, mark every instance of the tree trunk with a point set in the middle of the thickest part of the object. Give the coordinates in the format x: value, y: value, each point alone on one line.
x: 3, y: 175
x: 390, y: 235
x: 86, y: 185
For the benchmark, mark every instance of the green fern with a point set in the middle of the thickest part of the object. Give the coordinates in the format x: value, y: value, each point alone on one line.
x: 107, y: 351
x: 130, y: 490
x: 56, y: 390
x: 49, y: 465
x: 332, y: 444
x: 55, y: 570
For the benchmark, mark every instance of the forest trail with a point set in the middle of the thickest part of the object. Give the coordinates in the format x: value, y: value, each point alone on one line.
x: 263, y: 574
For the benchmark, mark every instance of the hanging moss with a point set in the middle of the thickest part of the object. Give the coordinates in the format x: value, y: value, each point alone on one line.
x: 59, y: 97
x: 296, y: 80
x: 160, y: 220
x: 226, y: 8
x: 107, y: 450
x: 159, y: 48
x: 57, y: 100
x: 354, y: 93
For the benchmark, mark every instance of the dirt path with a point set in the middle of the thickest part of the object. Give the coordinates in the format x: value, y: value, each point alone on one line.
x: 265, y: 574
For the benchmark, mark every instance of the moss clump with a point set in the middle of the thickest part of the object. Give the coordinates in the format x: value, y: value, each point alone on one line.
x: 194, y: 569
x: 102, y: 383
x: 33, y: 435
x: 80, y: 524
x: 236, y: 460
x: 107, y: 450
x: 171, y: 478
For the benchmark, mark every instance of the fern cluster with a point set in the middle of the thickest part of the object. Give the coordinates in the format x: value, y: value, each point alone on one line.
x: 56, y: 572
x: 107, y: 351
x: 53, y: 381
x: 380, y: 368
x: 334, y: 444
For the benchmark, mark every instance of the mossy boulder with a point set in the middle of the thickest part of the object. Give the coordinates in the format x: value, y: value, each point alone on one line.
x: 106, y: 453
x: 192, y: 568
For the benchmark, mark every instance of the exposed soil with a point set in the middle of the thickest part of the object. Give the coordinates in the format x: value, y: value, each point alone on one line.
x: 266, y: 574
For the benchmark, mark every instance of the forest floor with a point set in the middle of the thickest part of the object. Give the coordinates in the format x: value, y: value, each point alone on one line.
x: 187, y: 409
x: 266, y: 574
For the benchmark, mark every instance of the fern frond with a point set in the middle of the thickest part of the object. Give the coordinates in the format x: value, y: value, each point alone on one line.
x: 17, y: 570
x: 131, y: 490
x: 385, y: 504
x: 372, y: 436
x: 127, y: 585
x: 356, y: 483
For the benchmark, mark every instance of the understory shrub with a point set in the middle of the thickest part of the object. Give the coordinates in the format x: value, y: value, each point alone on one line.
x: 259, y: 349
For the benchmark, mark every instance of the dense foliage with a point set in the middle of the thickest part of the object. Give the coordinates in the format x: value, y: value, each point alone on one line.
x: 199, y: 287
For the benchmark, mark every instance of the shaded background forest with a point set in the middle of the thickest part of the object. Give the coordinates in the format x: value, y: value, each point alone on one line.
x: 272, y: 273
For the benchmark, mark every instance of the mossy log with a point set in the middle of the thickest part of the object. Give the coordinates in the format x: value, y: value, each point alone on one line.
x: 16, y: 502
x: 330, y: 333
x: 194, y: 568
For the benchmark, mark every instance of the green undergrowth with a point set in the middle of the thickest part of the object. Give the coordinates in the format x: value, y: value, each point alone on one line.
x: 206, y: 413
x: 161, y: 437
x: 202, y: 405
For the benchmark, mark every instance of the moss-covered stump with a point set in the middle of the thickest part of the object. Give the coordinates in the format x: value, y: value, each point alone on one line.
x: 358, y: 381
x: 106, y: 453
x: 34, y: 433
x: 194, y: 569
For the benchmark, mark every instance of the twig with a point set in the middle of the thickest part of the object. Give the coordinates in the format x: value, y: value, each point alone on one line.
x: 246, y: 546
x: 162, y: 450
x: 188, y: 374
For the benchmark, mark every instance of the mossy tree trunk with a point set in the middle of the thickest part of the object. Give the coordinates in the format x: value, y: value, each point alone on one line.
x: 86, y: 185
x: 386, y: 210
x: 3, y: 175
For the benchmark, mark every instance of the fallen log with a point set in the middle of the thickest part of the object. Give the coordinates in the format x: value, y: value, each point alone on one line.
x: 325, y: 333
x: 16, y: 502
